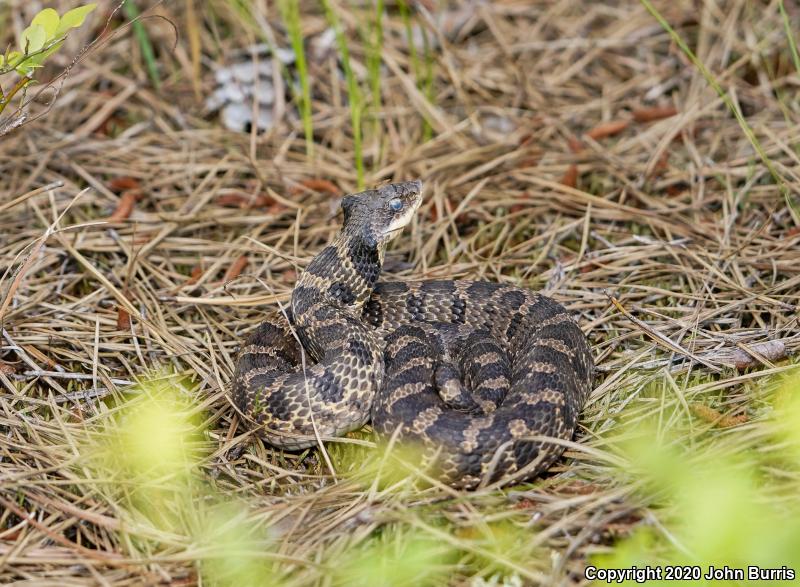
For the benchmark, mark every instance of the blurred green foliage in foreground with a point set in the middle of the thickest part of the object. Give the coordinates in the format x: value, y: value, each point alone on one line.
x: 733, y: 501
x: 710, y: 497
x: 152, y: 449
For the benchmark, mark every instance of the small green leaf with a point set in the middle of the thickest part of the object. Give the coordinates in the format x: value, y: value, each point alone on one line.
x: 38, y: 59
x: 74, y: 18
x: 12, y: 58
x: 25, y: 64
x: 33, y: 38
x: 49, y: 20
x: 25, y: 70
x: 50, y: 50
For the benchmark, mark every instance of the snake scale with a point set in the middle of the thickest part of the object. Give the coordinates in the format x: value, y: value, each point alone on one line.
x: 480, y: 375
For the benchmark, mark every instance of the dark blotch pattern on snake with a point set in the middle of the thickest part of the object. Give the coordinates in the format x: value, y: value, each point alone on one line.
x: 478, y: 374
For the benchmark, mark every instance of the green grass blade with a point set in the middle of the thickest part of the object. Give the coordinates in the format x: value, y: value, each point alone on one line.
x: 290, y: 12
x: 712, y: 81
x: 148, y: 54
x: 427, y: 82
x: 424, y: 78
x: 353, y: 91
x: 374, y: 61
x: 789, y: 36
x: 412, y: 48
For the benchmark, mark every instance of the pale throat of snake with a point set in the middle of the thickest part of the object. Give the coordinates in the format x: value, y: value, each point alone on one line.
x: 345, y: 272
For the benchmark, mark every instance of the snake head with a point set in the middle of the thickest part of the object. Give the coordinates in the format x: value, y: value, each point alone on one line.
x: 378, y: 215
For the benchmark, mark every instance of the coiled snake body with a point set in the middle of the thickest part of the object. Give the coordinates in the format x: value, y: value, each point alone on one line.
x: 479, y: 374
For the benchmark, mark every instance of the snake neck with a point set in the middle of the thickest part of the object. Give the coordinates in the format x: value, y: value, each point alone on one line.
x: 344, y: 274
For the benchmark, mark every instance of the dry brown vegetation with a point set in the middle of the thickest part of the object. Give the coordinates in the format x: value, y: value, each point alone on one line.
x: 574, y: 149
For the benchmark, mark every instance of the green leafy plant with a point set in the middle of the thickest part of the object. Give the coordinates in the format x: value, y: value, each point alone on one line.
x: 42, y: 38
x: 153, y: 445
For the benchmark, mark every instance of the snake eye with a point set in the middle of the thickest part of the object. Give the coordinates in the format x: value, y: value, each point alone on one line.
x: 395, y: 204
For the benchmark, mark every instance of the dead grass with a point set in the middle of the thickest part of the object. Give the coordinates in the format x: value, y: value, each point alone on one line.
x: 553, y: 164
